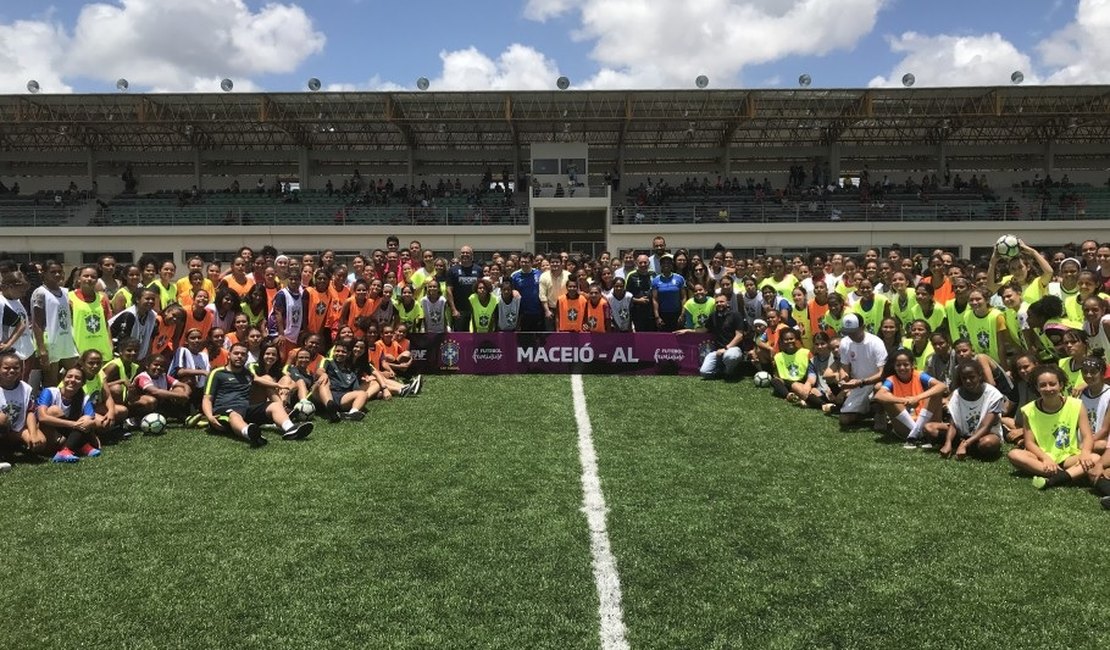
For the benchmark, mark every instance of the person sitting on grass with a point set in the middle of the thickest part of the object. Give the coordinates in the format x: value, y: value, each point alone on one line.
x: 392, y: 358
x: 975, y: 408
x: 1024, y: 392
x: 1075, y: 343
x: 157, y: 392
x: 862, y: 357
x: 912, y: 402
x: 341, y: 394
x: 1096, y: 399
x: 227, y: 406
x: 107, y: 411
x: 767, y: 343
x: 306, y: 379
x: 19, y: 427
x: 791, y: 378
x: 67, y: 419
x: 1058, y: 440
x: 120, y: 373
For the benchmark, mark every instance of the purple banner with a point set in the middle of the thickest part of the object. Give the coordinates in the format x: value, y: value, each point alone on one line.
x: 506, y: 353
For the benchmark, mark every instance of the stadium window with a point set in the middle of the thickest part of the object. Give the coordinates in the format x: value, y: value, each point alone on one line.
x: 549, y: 166
x: 122, y: 257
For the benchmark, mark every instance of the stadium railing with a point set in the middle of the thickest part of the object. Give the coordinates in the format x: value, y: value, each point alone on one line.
x: 300, y: 215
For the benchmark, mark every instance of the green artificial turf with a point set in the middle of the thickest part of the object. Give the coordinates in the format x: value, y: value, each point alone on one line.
x: 447, y: 520
x: 738, y: 520
x: 452, y: 520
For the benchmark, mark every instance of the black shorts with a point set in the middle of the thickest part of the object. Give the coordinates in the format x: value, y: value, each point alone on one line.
x: 254, y: 413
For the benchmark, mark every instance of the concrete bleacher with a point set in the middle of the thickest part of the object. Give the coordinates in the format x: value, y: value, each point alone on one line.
x: 309, y: 208
x: 746, y: 207
x: 38, y: 209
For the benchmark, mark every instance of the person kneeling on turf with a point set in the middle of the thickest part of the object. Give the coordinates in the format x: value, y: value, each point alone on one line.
x: 227, y: 398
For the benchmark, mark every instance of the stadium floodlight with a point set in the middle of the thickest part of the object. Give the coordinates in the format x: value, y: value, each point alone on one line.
x: 33, y: 86
x: 314, y: 84
x: 805, y: 80
x: 422, y: 83
x: 122, y: 85
x: 562, y: 83
x: 702, y: 81
x: 1017, y: 77
x: 226, y: 85
x: 908, y: 79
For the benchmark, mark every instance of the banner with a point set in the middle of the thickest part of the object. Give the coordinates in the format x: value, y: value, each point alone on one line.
x: 506, y: 353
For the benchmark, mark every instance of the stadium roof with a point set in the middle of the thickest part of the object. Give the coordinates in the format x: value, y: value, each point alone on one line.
x: 487, y: 121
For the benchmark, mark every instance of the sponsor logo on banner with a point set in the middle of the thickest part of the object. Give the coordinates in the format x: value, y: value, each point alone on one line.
x: 669, y: 354
x: 486, y: 352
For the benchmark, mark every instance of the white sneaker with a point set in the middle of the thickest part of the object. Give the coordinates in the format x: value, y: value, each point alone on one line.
x: 5, y: 467
x: 417, y: 384
x: 911, y: 443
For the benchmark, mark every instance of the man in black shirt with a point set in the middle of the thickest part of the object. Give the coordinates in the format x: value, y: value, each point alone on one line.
x: 461, y: 282
x: 226, y: 404
x: 638, y: 284
x: 727, y: 328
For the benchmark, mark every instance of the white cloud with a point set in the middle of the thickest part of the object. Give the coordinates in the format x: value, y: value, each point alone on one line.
x: 519, y: 67
x: 1080, y: 52
x: 174, y: 45
x: 32, y: 49
x: 167, y: 46
x: 375, y: 83
x: 663, y: 43
x: 946, y: 60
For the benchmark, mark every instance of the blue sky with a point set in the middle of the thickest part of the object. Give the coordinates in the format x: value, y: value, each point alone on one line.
x: 73, y: 46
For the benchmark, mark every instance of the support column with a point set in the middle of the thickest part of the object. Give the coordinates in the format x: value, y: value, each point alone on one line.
x: 412, y: 167
x: 90, y: 161
x: 834, y: 163
x: 304, y: 168
x: 197, y: 176
x: 942, y: 159
x: 1049, y: 158
x: 726, y: 160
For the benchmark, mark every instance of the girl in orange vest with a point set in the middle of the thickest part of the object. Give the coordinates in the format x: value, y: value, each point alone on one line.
x: 358, y: 309
x: 912, y: 401
x: 199, y: 317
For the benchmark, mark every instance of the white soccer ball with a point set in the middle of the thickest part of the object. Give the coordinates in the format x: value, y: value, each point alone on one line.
x: 762, y: 379
x: 304, y: 408
x: 1007, y: 246
x: 153, y: 424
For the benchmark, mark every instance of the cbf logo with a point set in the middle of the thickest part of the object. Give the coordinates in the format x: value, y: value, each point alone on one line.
x: 984, y: 341
x: 964, y: 333
x: 1063, y: 436
x: 92, y: 323
x: 572, y: 314
x: 11, y: 410
x: 449, y: 354
x: 705, y: 349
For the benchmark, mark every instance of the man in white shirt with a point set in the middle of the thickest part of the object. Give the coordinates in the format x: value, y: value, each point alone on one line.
x: 862, y: 357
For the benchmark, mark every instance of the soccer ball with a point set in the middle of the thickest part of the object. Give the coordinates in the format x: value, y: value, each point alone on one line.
x: 304, y: 409
x: 1007, y: 246
x: 762, y: 379
x: 152, y: 424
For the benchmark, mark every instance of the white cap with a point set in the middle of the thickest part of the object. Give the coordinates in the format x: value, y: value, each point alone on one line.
x: 851, y: 323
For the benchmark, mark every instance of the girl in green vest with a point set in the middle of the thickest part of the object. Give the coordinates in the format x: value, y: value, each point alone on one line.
x: 918, y: 343
x: 1057, y: 434
x: 791, y: 378
x: 1075, y: 342
x: 120, y: 373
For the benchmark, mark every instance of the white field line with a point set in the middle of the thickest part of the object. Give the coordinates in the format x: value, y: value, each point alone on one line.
x: 593, y: 504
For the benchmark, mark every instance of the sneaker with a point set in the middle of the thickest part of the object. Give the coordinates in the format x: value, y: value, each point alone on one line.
x: 793, y: 398
x: 299, y: 432
x: 90, y: 452
x: 196, y: 420
x: 5, y: 467
x: 129, y: 425
x: 254, y: 435
x: 1103, y: 501
x: 911, y: 443
x: 331, y: 412
x: 1040, y: 482
x: 405, y: 391
x: 926, y: 445
x: 417, y: 384
x: 65, y: 456
x: 353, y: 416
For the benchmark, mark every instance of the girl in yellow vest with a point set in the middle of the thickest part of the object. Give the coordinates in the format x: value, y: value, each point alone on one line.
x: 119, y: 373
x: 90, y: 314
x: 1057, y: 436
x: 912, y: 401
x: 919, y: 343
x: 902, y: 301
x: 1075, y: 342
x: 792, y: 378
x: 986, y: 327
x: 1034, y: 287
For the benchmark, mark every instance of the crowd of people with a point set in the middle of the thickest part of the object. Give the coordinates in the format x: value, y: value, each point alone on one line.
x: 940, y: 351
